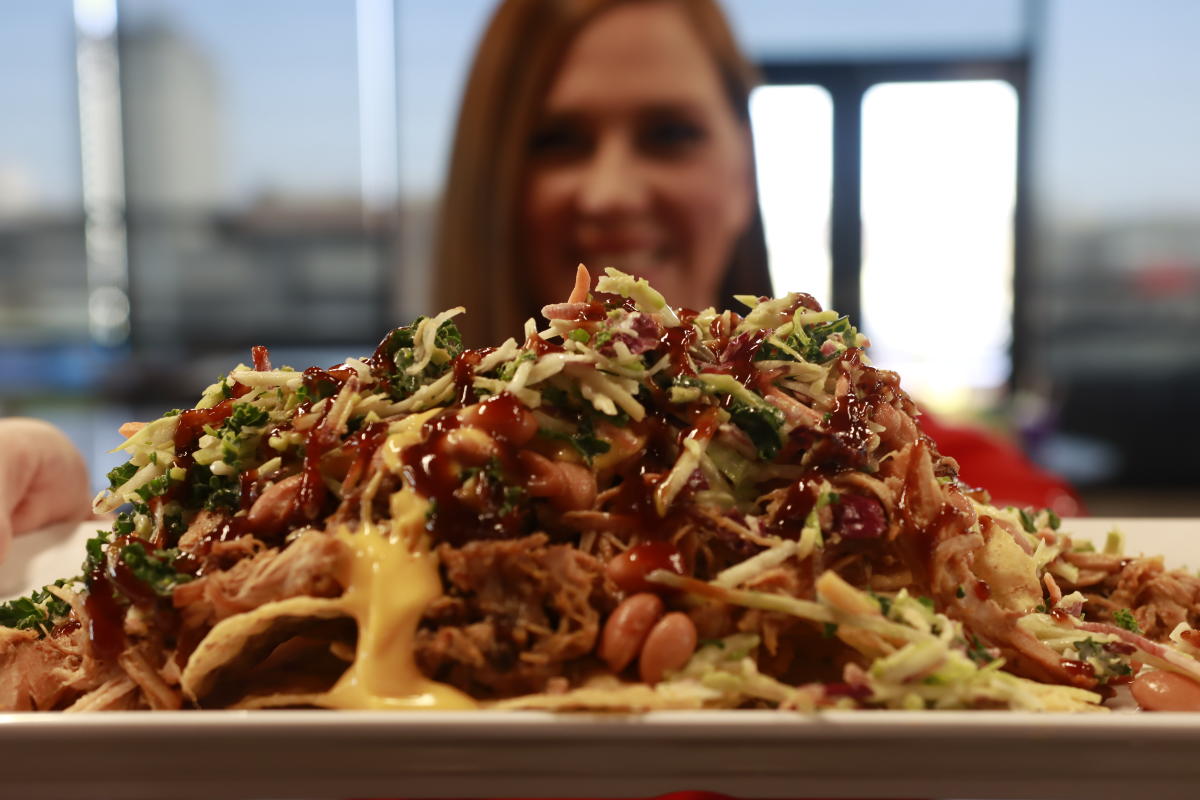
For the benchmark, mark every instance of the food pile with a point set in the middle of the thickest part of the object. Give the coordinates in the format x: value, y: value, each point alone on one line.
x: 637, y: 507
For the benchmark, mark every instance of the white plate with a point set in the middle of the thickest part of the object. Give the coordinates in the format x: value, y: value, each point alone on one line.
x: 317, y: 754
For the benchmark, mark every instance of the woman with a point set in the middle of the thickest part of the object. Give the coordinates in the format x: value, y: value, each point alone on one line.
x: 617, y: 133
x: 609, y: 132
x: 612, y: 132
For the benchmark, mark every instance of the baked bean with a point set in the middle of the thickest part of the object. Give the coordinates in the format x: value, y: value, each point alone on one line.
x: 579, y: 487
x: 272, y: 508
x: 471, y: 447
x: 668, y: 647
x: 568, y: 486
x: 623, y: 444
x: 628, y: 570
x: 510, y: 421
x: 627, y: 628
x: 543, y: 478
x: 1159, y: 690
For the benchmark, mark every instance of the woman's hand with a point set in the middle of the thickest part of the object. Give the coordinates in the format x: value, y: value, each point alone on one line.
x: 43, y: 479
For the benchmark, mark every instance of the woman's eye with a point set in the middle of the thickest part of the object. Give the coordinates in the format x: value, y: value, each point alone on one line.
x: 559, y: 141
x: 670, y: 136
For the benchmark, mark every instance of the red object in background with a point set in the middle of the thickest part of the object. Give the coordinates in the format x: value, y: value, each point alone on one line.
x: 687, y: 796
x: 1167, y: 277
x: 702, y: 796
x: 988, y: 461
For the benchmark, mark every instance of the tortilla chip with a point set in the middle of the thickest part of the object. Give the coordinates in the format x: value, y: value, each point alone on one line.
x: 248, y: 660
x: 606, y: 693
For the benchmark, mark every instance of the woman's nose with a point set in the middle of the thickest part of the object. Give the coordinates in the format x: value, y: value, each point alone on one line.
x: 614, y: 182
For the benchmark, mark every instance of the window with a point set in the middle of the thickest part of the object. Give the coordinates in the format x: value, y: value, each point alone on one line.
x: 260, y: 202
x: 939, y: 169
x: 793, y: 144
x: 42, y: 275
x: 893, y: 189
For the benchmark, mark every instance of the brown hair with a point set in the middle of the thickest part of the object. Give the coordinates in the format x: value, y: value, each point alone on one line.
x: 477, y: 255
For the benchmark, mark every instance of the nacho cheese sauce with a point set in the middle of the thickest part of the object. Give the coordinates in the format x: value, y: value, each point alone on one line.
x: 390, y: 578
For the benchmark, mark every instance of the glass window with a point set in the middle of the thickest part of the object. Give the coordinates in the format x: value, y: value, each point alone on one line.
x: 793, y: 143
x: 42, y: 266
x: 247, y: 142
x: 849, y: 30
x: 435, y: 48
x: 1116, y: 285
x: 938, y: 196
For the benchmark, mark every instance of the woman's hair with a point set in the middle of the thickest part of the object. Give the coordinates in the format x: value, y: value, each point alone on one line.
x: 477, y: 254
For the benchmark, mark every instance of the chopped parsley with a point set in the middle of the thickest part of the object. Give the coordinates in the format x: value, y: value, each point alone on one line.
x: 212, y: 492
x: 1123, y: 618
x: 124, y: 524
x: 155, y: 569
x: 762, y: 423
x: 885, y: 603
x: 245, y: 415
x: 399, y: 349
x: 977, y: 652
x: 119, y: 476
x: 507, y: 497
x: 155, y: 488
x: 41, y: 610
x: 513, y: 497
x: 809, y: 343
x: 95, y: 551
x: 584, y: 440
x: 507, y: 370
x: 1103, y: 659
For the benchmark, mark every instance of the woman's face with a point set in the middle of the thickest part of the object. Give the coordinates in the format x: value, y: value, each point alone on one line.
x: 638, y: 161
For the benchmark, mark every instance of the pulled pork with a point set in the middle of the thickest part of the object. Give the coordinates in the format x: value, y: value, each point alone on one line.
x: 514, y: 613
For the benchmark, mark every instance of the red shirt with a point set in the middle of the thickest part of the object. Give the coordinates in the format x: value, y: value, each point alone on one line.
x: 988, y: 461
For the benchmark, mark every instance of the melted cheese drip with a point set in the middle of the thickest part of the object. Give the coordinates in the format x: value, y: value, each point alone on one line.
x: 390, y: 578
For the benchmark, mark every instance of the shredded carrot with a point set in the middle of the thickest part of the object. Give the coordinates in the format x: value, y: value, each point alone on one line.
x: 130, y: 428
x: 583, y: 282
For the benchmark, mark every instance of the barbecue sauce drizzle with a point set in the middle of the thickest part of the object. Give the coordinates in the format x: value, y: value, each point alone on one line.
x: 458, y: 516
x: 437, y: 471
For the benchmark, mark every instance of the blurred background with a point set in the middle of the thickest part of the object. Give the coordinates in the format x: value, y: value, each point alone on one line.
x: 1004, y: 195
